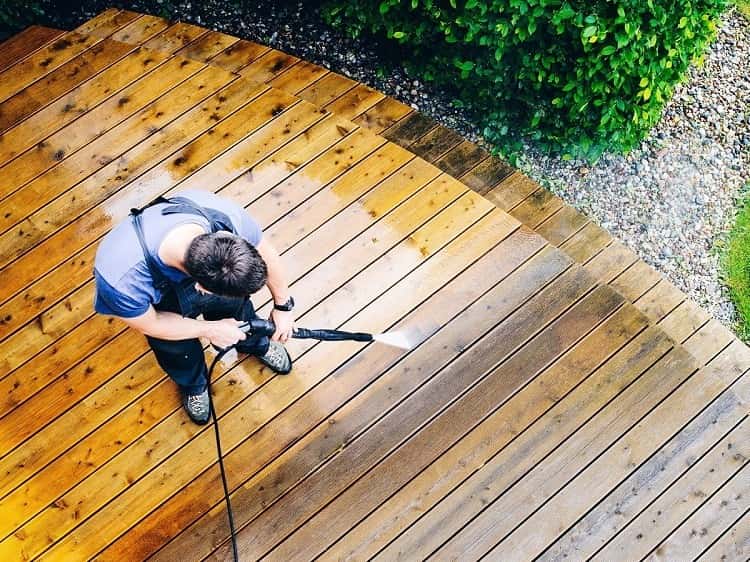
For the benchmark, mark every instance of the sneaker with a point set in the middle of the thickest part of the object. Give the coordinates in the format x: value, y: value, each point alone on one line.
x: 197, y: 406
x: 277, y: 358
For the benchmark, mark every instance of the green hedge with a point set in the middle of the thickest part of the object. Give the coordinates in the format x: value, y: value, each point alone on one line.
x: 582, y: 76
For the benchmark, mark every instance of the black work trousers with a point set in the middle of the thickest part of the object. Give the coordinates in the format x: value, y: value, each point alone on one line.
x: 183, y: 360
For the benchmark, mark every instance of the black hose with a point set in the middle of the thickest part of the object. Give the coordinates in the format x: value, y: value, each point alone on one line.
x: 330, y: 335
x: 221, y: 456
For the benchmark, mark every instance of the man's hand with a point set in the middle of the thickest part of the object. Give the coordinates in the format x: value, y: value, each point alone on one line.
x: 223, y: 333
x: 284, y: 322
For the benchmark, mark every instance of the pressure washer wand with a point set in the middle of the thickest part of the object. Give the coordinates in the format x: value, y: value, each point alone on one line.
x: 258, y: 326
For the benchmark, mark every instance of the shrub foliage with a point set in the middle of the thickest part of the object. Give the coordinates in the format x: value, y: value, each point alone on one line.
x: 580, y: 75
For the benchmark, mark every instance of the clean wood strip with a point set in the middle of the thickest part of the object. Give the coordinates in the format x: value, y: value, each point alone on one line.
x: 327, y: 89
x: 493, y: 385
x: 709, y: 340
x: 355, y: 102
x: 508, y: 193
x: 637, y: 444
x: 610, y: 262
x: 562, y: 225
x: 714, y: 518
x: 710, y: 465
x: 636, y: 280
x: 586, y: 243
x: 529, y: 449
x: 207, y: 46
x: 87, y: 114
x: 266, y: 67
x: 660, y: 300
x: 418, y: 496
x: 331, y: 437
x: 362, y: 295
x: 436, y: 143
x: 298, y: 77
x: 344, y: 259
x: 270, y: 440
x: 383, y: 115
x: 461, y: 159
x: 106, y: 23
x: 23, y: 44
x: 175, y: 37
x: 684, y: 321
x: 46, y: 60
x: 733, y: 544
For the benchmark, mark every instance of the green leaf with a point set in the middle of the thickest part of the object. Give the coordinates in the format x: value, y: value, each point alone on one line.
x: 589, y: 31
x: 399, y: 34
x: 643, y: 83
x: 470, y: 4
x: 608, y: 50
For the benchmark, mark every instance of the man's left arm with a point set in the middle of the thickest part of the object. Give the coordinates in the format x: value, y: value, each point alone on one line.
x: 279, y: 288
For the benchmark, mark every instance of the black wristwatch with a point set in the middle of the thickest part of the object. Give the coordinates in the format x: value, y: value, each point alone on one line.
x: 287, y: 306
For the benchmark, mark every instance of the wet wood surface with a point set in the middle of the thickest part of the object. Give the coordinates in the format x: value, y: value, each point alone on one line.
x: 561, y: 398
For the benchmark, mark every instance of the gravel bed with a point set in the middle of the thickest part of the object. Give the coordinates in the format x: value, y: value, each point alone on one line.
x: 671, y: 200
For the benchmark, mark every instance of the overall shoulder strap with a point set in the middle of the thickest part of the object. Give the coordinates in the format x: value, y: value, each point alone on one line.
x: 160, y: 281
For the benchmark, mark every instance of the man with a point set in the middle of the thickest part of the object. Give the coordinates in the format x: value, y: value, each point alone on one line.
x: 189, y: 255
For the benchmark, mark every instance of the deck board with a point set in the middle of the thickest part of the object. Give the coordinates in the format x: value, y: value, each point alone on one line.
x: 544, y: 348
x: 20, y: 46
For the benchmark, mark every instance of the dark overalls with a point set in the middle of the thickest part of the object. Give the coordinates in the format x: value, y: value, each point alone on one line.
x: 183, y: 360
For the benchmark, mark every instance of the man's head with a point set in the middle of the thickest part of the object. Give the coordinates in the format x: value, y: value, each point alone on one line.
x: 225, y: 264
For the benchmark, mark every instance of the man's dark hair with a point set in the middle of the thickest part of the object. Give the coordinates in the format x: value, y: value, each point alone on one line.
x: 225, y: 264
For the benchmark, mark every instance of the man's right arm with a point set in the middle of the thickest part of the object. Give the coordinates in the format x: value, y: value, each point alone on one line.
x: 172, y: 326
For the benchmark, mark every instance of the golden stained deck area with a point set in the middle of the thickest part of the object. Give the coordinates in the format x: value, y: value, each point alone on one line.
x: 563, y: 400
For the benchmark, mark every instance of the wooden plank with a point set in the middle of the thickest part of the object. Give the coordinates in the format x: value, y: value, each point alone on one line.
x: 61, y: 133
x: 140, y: 30
x: 21, y: 45
x: 418, y: 496
x: 709, y: 340
x: 732, y: 545
x: 710, y: 464
x: 350, y: 259
x: 496, y: 385
x: 562, y: 225
x: 610, y: 262
x: 714, y: 518
x: 327, y: 89
x: 362, y: 295
x: 355, y: 102
x: 58, y: 82
x: 660, y: 300
x: 684, y: 321
x: 436, y: 143
x: 175, y: 37
x: 586, y: 243
x: 207, y: 46
x: 298, y: 77
x: 409, y: 129
x: 268, y: 442
x: 536, y: 208
x: 635, y: 281
x: 531, y: 448
x: 512, y: 189
x: 489, y: 173
x: 345, y: 164
x: 126, y: 164
x: 460, y: 159
x: 383, y: 115
x: 266, y: 67
x: 238, y: 55
x: 106, y: 23
x: 47, y: 59
x: 637, y: 444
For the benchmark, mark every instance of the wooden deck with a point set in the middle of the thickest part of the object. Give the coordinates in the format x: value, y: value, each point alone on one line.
x: 563, y: 401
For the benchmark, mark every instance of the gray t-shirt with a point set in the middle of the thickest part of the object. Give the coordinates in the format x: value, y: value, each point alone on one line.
x: 124, y: 286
